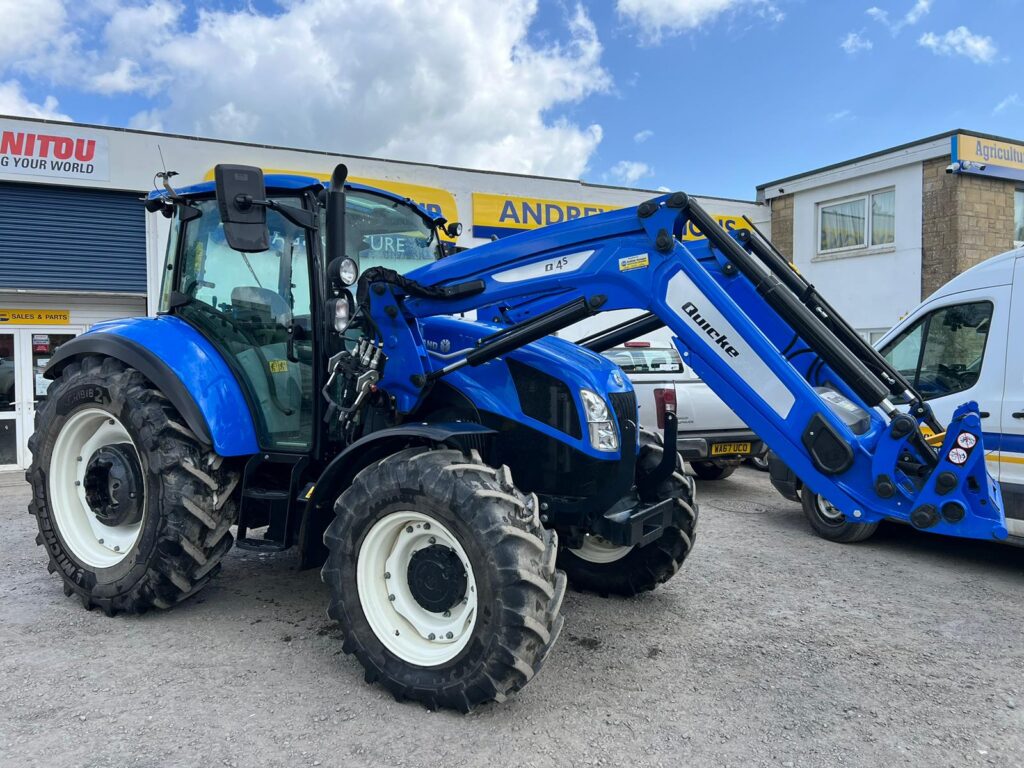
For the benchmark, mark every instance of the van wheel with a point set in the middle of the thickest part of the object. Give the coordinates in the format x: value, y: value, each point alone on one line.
x: 709, y: 470
x: 829, y: 523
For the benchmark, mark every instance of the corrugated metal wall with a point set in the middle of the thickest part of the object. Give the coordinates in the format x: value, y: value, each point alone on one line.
x: 62, y: 238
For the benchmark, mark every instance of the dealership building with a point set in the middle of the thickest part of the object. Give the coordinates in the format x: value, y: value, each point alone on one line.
x: 879, y: 233
x: 77, y: 248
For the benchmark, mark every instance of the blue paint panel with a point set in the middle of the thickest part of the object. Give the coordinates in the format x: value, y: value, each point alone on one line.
x: 62, y: 238
x: 203, y: 372
x: 1001, y: 441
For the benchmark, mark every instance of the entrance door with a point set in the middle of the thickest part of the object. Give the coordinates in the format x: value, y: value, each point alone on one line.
x: 10, y: 402
x: 37, y: 346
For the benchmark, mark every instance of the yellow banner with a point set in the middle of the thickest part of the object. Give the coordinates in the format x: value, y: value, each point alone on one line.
x: 990, y: 152
x: 500, y: 215
x: 440, y: 202
x: 35, y: 316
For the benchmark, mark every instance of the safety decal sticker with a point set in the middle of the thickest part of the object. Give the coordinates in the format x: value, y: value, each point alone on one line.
x: 278, y: 366
x: 957, y: 456
x: 966, y: 440
x: 628, y: 263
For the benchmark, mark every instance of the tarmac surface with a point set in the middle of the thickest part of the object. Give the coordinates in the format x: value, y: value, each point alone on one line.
x: 771, y: 647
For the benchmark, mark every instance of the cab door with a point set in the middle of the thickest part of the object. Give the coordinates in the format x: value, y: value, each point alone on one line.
x: 1011, y: 437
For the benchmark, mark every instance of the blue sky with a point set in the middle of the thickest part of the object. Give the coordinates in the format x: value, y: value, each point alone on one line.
x: 711, y: 96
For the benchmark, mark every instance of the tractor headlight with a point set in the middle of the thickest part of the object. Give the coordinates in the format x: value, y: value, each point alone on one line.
x: 603, y: 435
x: 340, y: 312
x: 348, y: 271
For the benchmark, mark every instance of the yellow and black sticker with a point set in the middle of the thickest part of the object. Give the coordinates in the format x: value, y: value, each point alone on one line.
x: 640, y: 261
x: 278, y: 366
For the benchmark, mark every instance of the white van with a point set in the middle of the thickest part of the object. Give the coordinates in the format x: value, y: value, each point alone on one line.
x: 964, y: 342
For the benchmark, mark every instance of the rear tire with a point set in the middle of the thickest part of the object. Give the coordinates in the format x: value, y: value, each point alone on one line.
x: 829, y: 523
x: 424, y: 533
x: 708, y: 470
x: 181, y: 533
x: 601, y: 567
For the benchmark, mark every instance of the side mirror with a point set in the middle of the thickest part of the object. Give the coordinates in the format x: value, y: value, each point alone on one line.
x: 241, y: 197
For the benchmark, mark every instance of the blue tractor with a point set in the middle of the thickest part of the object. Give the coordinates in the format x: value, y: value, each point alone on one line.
x: 312, y: 379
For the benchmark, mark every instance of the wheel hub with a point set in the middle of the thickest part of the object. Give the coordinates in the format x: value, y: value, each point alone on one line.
x: 113, y: 485
x: 437, y: 578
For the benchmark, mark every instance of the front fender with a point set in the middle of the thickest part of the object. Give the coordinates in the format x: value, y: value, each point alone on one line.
x: 184, y: 366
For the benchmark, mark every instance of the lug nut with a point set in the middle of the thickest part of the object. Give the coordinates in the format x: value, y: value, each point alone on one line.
x: 408, y: 529
x: 431, y: 636
x: 391, y: 598
x: 387, y: 575
x: 448, y: 635
x: 447, y: 614
x: 426, y: 526
x: 433, y: 540
x: 117, y: 549
x: 100, y: 540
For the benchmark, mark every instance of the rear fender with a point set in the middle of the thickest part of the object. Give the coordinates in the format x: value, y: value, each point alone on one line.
x: 184, y: 366
x: 338, y: 475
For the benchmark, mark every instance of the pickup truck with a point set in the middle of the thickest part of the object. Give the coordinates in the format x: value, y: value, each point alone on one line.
x: 711, y: 437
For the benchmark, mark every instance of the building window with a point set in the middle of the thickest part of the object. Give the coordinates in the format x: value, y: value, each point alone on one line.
x: 1018, y: 217
x: 857, y: 222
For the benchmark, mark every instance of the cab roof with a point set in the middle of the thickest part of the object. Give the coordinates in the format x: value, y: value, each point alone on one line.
x: 287, y: 182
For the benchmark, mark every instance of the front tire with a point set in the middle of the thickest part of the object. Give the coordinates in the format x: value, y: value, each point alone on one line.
x: 442, y: 578
x: 602, y: 567
x: 829, y: 523
x: 134, y: 511
x: 709, y: 470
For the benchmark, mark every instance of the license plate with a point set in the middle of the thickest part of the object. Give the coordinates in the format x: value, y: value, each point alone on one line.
x: 729, y: 449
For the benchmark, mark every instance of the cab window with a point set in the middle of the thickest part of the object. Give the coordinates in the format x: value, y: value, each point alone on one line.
x: 639, y: 360
x: 255, y: 307
x: 942, y: 352
x: 381, y: 232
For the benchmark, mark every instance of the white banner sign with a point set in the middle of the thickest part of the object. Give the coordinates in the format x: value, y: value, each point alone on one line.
x: 60, y: 153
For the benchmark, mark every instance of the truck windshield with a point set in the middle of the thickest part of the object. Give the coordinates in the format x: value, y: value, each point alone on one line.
x: 381, y: 232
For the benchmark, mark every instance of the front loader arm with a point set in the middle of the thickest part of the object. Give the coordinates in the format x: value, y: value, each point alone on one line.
x: 779, y: 357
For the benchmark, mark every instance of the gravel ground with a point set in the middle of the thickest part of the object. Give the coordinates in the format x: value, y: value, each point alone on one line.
x: 771, y: 647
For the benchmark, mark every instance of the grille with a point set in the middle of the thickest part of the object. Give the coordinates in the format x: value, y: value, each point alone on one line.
x: 546, y: 398
x: 624, y: 405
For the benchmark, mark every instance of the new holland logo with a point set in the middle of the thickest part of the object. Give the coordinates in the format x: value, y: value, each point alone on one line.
x: 717, y: 336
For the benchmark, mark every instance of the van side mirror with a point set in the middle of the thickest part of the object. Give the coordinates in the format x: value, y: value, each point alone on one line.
x: 241, y: 198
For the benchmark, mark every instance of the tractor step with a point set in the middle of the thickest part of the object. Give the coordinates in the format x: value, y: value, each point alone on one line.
x: 270, y: 488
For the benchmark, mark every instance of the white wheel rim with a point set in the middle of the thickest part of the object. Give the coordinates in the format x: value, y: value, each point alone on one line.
x: 827, y: 511
x: 90, y: 541
x: 597, y: 549
x: 407, y: 629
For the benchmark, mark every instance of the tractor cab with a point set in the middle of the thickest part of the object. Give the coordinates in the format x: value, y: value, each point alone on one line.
x: 277, y: 308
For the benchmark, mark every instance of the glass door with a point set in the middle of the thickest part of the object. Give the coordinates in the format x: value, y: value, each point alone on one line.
x: 38, y: 345
x: 10, y: 403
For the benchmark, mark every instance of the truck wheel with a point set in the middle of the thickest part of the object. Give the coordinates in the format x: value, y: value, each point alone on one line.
x: 133, y: 510
x: 443, y: 579
x: 829, y: 523
x: 602, y: 567
x: 709, y: 470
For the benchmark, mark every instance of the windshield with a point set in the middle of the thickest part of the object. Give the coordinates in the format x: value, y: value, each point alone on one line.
x: 380, y: 232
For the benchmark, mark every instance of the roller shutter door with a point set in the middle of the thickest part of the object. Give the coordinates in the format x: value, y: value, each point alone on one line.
x: 71, y: 239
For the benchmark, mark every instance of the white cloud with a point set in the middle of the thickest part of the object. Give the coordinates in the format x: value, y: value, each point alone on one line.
x: 837, y: 116
x: 655, y: 18
x: 1011, y: 101
x: 854, y: 43
x: 629, y: 172
x: 920, y: 9
x: 27, y: 26
x: 462, y: 82
x: 962, y: 42
x: 13, y: 101
x: 641, y: 136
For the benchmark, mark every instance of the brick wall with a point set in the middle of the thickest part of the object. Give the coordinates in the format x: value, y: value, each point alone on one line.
x: 782, y: 224
x: 966, y: 219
